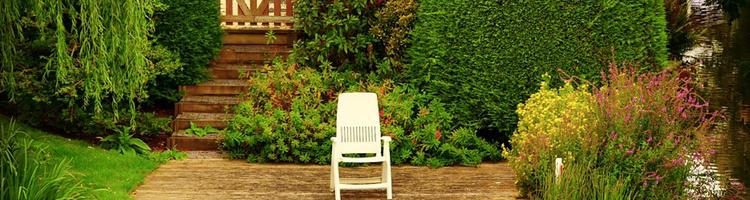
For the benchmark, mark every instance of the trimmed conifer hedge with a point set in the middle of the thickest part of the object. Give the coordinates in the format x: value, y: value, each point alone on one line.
x: 484, y: 57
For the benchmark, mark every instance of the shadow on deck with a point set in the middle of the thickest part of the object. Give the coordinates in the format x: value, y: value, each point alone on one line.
x: 233, y: 179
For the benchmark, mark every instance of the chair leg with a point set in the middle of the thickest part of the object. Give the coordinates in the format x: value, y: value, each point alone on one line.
x: 330, y: 186
x: 336, y: 187
x: 382, y: 177
x: 389, y: 182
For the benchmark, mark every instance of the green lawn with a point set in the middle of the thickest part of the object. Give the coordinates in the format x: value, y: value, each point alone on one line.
x: 111, y: 174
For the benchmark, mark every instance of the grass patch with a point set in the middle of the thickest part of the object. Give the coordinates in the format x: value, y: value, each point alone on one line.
x: 111, y: 174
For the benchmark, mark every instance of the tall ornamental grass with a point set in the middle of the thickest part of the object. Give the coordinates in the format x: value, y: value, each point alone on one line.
x: 27, y: 174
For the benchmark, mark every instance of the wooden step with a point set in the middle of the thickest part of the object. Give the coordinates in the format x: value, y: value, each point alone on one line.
x: 239, y: 54
x: 220, y: 87
x: 206, y: 104
x: 216, y: 120
x: 229, y: 71
x: 258, y: 36
x: 185, y: 142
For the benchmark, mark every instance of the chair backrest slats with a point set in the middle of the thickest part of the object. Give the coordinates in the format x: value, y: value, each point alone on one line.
x: 358, y: 123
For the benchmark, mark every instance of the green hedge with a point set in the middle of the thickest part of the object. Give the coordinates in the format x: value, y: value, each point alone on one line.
x: 484, y: 57
x: 192, y: 30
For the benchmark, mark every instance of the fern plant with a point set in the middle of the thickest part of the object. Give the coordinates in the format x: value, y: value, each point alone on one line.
x: 124, y: 143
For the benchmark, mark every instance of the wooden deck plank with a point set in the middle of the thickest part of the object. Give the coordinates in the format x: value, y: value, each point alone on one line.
x: 234, y: 179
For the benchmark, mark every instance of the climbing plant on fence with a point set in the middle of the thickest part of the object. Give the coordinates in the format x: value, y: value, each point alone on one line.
x: 481, y: 58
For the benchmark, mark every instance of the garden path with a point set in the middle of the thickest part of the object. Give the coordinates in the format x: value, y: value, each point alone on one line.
x: 235, y: 179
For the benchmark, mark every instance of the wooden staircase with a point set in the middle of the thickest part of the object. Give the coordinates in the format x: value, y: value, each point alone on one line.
x: 210, y: 103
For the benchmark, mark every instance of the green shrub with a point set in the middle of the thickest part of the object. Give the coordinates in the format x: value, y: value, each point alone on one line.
x: 482, y: 58
x: 392, y: 24
x: 191, y: 29
x: 293, y: 115
x: 335, y: 34
x: 647, y: 130
x: 28, y: 173
x: 362, y: 35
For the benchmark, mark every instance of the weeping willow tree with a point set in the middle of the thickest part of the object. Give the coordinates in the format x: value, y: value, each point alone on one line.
x: 98, y: 48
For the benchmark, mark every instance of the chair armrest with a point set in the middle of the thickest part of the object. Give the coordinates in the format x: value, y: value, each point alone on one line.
x: 386, y: 138
x: 335, y: 140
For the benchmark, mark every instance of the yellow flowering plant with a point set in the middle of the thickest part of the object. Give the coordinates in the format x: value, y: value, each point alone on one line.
x: 553, y: 123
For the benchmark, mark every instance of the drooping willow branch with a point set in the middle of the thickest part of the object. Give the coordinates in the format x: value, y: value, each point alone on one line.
x: 99, y: 52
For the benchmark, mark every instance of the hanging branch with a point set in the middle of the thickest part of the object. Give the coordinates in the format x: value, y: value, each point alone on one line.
x: 99, y: 53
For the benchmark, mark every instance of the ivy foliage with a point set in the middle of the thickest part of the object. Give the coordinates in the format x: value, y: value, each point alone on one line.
x: 482, y: 58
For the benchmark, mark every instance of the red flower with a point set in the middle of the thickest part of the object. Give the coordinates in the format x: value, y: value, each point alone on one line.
x: 438, y: 134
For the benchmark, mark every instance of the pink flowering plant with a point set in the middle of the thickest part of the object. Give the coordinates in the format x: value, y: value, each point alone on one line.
x: 653, y: 125
x: 645, y: 130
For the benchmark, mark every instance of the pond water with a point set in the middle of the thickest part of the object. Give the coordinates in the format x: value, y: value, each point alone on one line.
x: 724, y: 70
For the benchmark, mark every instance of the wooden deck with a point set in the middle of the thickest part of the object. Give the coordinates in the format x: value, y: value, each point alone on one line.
x: 233, y: 179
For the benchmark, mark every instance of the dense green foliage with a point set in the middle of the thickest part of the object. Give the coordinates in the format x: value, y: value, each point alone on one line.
x: 111, y: 175
x: 95, y: 51
x: 27, y: 174
x: 292, y: 118
x: 363, y: 35
x: 645, y: 130
x: 73, y: 64
x: 191, y: 29
x: 392, y: 24
x: 334, y: 34
x: 482, y: 58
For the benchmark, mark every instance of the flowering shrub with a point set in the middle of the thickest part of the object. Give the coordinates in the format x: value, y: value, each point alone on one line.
x: 553, y: 123
x: 291, y: 114
x: 653, y: 127
x: 644, y: 129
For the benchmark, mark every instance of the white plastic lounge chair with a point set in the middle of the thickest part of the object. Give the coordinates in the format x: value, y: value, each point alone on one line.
x: 358, y: 132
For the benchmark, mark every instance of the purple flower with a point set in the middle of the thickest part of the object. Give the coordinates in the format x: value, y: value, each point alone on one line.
x: 678, y: 161
x: 613, y: 135
x: 649, y: 139
x: 691, y: 100
x: 657, y: 179
x: 629, y: 152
